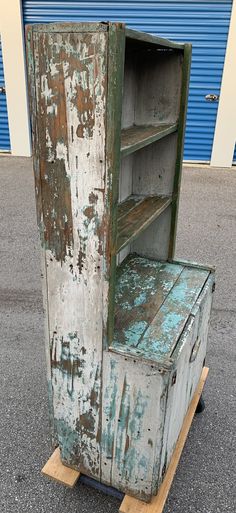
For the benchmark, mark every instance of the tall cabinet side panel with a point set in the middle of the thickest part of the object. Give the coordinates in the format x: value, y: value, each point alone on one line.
x: 70, y: 75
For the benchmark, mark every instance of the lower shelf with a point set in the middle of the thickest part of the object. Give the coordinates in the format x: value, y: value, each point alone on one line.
x: 135, y: 214
x: 54, y: 469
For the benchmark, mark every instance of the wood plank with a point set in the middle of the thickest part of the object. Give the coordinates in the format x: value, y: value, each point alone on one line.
x: 125, y: 206
x: 142, y: 286
x: 132, y: 505
x: 136, y: 137
x: 134, y: 403
x: 163, y: 333
x: 180, y: 145
x: 70, y: 121
x: 138, y: 218
x: 149, y: 38
x: 54, y: 469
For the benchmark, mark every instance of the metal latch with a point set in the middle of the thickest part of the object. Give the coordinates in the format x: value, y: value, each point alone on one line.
x: 2, y: 90
x: 212, y: 97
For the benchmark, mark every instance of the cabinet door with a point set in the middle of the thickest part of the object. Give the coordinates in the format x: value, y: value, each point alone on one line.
x: 199, y: 346
x: 188, y: 359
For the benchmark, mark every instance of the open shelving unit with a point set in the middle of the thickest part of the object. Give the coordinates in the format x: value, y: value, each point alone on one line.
x: 126, y: 326
x: 154, y: 87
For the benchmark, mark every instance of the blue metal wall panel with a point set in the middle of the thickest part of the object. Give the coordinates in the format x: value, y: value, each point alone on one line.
x: 4, y: 129
x: 203, y: 23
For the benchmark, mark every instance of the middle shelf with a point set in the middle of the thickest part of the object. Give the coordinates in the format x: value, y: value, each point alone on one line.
x: 136, y: 137
x: 135, y: 214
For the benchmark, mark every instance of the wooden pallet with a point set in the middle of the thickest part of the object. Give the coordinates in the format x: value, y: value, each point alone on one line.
x: 54, y: 468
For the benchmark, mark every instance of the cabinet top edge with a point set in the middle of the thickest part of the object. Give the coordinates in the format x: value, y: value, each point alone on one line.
x: 70, y: 27
x: 104, y: 26
x: 149, y: 38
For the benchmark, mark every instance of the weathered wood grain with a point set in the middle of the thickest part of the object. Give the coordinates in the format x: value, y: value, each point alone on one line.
x: 149, y: 38
x: 153, y: 304
x: 132, y: 505
x: 71, y: 79
x: 54, y: 469
x: 142, y: 287
x: 163, y: 333
x: 185, y: 72
x: 131, y: 423
x: 138, y: 218
x: 136, y: 137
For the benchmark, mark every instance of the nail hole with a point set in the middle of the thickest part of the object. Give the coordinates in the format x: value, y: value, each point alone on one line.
x: 149, y: 429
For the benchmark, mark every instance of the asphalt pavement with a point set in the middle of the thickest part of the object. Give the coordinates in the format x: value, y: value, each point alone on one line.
x: 206, y: 476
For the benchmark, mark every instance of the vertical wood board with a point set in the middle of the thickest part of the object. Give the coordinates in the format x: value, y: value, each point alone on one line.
x: 71, y: 78
x: 132, y: 423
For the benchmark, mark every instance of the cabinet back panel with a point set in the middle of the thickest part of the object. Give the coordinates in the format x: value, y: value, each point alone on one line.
x: 129, y: 91
x: 154, y: 167
x: 159, y: 76
x: 152, y: 86
x: 126, y: 177
x: 154, y: 241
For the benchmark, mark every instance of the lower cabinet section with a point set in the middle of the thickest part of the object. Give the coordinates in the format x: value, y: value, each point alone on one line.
x: 125, y: 433
x: 145, y: 402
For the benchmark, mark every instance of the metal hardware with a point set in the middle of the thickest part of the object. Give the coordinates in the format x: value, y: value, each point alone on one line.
x: 2, y: 90
x: 173, y: 381
x: 212, y: 97
x: 195, y: 350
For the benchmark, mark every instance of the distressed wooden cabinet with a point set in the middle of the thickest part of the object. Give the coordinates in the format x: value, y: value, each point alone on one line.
x: 126, y: 325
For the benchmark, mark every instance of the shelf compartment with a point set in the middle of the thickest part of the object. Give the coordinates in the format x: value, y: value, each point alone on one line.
x: 135, y: 214
x: 136, y: 137
x: 153, y: 301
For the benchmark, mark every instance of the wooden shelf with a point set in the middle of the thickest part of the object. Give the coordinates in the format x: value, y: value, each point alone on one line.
x: 135, y: 214
x: 136, y: 137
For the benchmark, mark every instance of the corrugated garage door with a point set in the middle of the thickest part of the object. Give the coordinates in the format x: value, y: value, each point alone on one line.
x: 4, y: 130
x: 204, y: 23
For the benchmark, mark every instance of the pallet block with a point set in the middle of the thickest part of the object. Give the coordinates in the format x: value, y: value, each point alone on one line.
x: 54, y: 468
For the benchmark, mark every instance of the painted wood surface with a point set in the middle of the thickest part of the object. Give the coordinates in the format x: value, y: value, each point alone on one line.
x: 71, y: 81
x: 157, y: 504
x: 133, y: 417
x: 137, y: 217
x: 153, y: 303
x: 136, y: 137
x: 110, y: 395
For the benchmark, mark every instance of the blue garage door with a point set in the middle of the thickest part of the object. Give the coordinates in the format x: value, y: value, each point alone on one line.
x: 4, y: 130
x: 203, y: 23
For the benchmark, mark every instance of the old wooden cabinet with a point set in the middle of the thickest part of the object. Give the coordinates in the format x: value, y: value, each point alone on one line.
x: 126, y: 326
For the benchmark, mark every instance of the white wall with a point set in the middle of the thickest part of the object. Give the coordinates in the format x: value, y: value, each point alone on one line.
x: 11, y: 29
x: 225, y: 130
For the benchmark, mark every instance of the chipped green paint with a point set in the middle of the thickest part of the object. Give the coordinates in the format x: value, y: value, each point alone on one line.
x: 161, y: 322
x: 142, y: 286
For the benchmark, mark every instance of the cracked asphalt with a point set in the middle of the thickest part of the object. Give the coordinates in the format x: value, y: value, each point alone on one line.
x: 206, y: 476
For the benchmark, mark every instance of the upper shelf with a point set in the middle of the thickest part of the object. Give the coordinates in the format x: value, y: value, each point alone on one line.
x: 135, y: 214
x: 137, y: 137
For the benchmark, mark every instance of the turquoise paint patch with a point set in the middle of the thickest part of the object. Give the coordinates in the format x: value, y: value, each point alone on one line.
x: 133, y: 334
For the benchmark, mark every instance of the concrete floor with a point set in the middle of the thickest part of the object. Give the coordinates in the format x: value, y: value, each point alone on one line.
x: 206, y: 477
